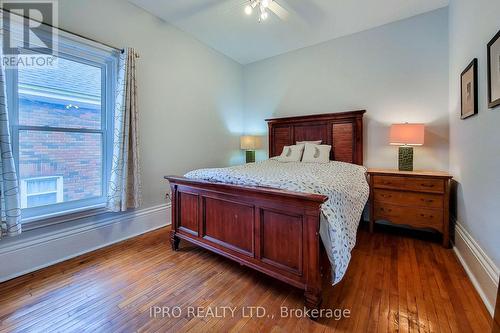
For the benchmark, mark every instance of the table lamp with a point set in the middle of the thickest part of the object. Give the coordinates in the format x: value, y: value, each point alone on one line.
x: 406, y: 136
x: 250, y: 143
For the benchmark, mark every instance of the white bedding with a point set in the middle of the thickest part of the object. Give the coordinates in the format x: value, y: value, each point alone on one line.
x: 345, y: 185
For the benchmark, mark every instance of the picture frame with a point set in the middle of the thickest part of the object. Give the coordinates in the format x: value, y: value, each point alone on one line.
x: 494, y: 71
x: 469, y: 91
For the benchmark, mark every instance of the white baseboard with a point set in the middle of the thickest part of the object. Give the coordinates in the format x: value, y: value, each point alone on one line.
x: 40, y: 248
x: 479, y: 267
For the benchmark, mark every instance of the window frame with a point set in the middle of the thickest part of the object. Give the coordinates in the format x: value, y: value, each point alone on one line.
x: 79, y: 49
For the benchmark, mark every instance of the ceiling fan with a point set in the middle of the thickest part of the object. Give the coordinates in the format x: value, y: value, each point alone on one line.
x: 264, y: 7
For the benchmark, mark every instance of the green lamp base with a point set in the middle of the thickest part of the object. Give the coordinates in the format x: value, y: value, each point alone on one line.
x: 405, y: 158
x: 250, y: 155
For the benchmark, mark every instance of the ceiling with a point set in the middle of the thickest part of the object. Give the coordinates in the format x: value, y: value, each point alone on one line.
x: 223, y: 25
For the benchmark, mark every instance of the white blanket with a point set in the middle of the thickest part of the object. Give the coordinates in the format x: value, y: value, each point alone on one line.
x: 345, y: 185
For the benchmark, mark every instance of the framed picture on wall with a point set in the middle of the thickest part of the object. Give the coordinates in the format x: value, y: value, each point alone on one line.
x: 468, y: 88
x: 494, y: 71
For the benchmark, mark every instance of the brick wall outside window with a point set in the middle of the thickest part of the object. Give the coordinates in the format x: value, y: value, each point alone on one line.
x: 77, y: 157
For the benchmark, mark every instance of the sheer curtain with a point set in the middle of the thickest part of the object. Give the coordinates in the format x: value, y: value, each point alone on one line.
x: 9, y: 187
x: 125, y: 184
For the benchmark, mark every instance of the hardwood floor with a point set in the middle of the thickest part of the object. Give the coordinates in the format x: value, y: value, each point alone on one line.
x: 394, y: 283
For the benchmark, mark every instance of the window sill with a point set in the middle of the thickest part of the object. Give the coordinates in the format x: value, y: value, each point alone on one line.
x: 47, y: 232
x: 62, y: 217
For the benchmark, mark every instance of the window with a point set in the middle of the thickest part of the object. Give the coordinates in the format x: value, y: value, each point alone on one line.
x: 41, y: 191
x: 61, y: 125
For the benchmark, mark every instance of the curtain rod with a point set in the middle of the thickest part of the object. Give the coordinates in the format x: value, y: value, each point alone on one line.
x: 67, y: 31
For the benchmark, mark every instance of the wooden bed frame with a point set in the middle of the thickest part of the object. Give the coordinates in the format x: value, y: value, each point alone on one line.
x: 273, y: 231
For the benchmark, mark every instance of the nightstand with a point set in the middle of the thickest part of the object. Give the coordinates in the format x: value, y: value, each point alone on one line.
x: 417, y: 199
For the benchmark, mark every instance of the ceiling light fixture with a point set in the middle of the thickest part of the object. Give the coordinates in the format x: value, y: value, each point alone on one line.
x: 262, y: 5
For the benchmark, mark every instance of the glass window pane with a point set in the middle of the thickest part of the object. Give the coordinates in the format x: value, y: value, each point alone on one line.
x: 76, y: 157
x: 41, y: 200
x: 41, y: 185
x: 67, y: 96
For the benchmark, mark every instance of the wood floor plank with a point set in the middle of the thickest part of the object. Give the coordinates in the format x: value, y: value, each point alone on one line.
x: 429, y: 264
x: 394, y: 283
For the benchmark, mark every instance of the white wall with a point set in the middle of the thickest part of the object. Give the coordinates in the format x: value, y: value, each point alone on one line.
x: 475, y: 142
x: 190, y: 96
x: 397, y: 72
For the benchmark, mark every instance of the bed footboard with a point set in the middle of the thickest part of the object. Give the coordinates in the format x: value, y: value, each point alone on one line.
x: 273, y: 231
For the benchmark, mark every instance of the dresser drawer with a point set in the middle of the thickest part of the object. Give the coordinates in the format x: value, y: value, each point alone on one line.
x: 411, y: 184
x: 415, y: 217
x: 414, y: 199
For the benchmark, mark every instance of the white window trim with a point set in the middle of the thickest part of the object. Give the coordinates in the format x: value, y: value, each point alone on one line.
x: 24, y: 189
x: 86, y: 51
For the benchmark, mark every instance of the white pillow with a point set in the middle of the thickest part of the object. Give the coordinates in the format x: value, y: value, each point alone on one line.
x: 291, y: 154
x: 312, y: 142
x: 316, y: 153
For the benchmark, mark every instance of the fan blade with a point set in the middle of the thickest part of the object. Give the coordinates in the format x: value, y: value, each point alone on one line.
x: 277, y: 9
x: 230, y: 6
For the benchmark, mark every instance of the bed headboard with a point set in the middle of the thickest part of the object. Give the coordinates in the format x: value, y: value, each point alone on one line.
x: 343, y: 131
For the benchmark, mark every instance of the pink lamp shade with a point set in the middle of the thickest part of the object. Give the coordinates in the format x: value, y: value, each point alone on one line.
x: 407, y: 134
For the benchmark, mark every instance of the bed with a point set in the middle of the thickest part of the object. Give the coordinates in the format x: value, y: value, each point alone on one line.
x: 266, y: 226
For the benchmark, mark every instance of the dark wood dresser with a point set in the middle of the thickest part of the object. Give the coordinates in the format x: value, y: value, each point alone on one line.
x: 417, y: 199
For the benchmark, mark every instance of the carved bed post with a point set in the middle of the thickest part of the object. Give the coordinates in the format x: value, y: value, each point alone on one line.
x: 312, y: 294
x: 174, y: 239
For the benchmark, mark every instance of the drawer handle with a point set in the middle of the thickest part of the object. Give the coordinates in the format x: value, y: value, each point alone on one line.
x: 386, y: 196
x: 429, y: 216
x: 427, y: 185
x: 427, y: 200
x: 383, y: 210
